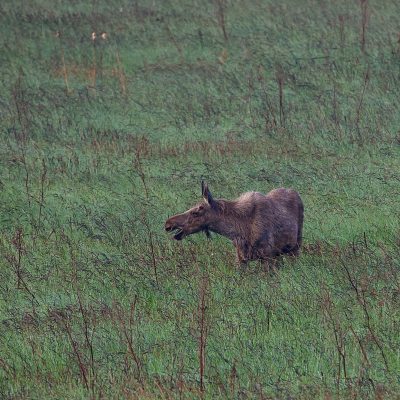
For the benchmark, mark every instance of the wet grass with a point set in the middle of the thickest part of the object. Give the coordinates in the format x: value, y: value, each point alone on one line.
x: 102, y: 140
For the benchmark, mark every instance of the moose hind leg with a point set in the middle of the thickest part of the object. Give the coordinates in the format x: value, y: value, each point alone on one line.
x: 291, y: 250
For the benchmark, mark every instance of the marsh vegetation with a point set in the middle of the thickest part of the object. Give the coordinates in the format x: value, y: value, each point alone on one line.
x: 106, y: 108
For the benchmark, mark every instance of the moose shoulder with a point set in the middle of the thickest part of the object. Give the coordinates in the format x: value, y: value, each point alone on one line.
x: 260, y: 226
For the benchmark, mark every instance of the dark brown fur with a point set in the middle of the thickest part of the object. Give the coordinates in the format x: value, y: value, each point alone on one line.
x: 260, y: 226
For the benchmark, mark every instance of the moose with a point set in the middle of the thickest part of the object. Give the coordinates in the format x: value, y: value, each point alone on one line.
x: 261, y: 227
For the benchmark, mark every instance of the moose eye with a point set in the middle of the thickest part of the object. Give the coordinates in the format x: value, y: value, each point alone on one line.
x: 197, y: 212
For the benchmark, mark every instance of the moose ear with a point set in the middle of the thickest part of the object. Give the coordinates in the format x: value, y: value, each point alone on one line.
x: 206, y: 193
x: 202, y: 187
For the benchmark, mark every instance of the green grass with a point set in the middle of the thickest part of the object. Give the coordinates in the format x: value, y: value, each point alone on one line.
x: 102, y: 140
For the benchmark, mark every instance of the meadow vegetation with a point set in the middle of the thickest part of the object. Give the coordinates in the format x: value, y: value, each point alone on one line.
x: 103, y: 137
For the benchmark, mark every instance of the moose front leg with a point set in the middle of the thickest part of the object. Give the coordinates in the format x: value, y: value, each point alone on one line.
x: 241, y: 261
x: 241, y: 254
x: 270, y: 264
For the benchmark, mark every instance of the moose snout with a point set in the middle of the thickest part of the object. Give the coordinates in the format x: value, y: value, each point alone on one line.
x: 168, y: 226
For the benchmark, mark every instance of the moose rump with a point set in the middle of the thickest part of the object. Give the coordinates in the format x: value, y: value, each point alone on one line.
x: 259, y: 226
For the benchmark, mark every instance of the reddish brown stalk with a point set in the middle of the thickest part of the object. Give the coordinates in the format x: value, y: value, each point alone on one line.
x: 18, y: 244
x: 202, y: 329
x: 88, y: 377
x: 360, y: 295
x: 64, y: 69
x: 363, y: 351
x: 88, y: 339
x: 370, y: 330
x: 338, y: 334
x: 121, y: 74
x: 16, y: 262
x: 151, y: 244
x: 128, y: 332
x: 175, y: 42
x: 364, y: 22
x: 139, y: 169
x: 21, y: 135
x: 221, y: 6
x: 280, y: 79
x: 335, y: 107
x: 93, y: 70
x: 398, y: 43
x: 232, y: 379
x: 8, y: 369
x: 42, y: 185
x: 269, y: 113
x: 74, y: 345
x: 341, y: 30
x: 360, y: 104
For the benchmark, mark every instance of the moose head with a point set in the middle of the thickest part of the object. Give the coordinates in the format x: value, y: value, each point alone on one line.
x: 196, y: 219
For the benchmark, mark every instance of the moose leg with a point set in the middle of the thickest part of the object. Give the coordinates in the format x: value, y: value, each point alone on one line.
x: 269, y: 257
x: 271, y: 264
x: 240, y: 259
x: 295, y: 251
x: 241, y: 254
x: 291, y: 250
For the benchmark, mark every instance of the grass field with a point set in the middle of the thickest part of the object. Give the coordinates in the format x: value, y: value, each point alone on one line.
x: 103, y: 138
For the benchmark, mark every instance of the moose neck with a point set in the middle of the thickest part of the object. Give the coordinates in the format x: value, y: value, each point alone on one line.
x: 227, y: 223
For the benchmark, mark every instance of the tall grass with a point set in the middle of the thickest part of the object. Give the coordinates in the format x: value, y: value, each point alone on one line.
x: 103, y: 137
